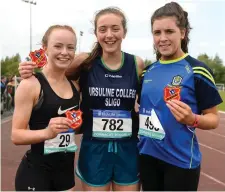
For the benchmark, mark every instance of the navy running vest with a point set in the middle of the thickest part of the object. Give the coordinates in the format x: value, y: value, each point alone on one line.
x: 108, y: 99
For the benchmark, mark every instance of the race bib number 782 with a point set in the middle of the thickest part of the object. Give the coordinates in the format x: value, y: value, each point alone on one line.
x: 111, y: 124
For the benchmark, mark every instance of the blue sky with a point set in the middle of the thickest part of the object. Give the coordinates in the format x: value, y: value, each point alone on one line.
x: 206, y: 17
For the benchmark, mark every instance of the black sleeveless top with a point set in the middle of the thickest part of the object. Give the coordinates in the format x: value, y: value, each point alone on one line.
x: 50, y: 105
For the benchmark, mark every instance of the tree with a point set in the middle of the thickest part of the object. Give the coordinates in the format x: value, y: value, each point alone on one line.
x: 219, y: 70
x: 9, y: 65
x: 147, y: 62
x: 216, y: 65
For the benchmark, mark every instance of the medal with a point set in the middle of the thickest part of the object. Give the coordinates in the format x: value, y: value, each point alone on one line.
x: 76, y: 118
x: 171, y: 92
x: 39, y: 57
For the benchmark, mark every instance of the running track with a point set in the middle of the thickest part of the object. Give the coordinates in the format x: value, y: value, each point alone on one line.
x: 212, y: 145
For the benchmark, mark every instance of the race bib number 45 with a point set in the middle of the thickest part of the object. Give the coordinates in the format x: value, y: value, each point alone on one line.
x: 150, y: 126
x: 111, y: 124
x: 63, y: 142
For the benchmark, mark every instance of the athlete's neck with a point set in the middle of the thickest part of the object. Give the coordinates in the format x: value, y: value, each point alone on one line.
x: 176, y: 55
x: 54, y: 74
x: 112, y: 61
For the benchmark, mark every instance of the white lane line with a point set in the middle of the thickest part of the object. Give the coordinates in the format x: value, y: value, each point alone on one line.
x: 208, y: 147
x: 213, y: 178
x: 217, y: 134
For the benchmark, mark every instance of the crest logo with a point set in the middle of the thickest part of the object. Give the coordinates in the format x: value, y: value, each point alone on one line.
x: 76, y: 118
x: 172, y: 92
x: 39, y: 57
x: 177, y: 80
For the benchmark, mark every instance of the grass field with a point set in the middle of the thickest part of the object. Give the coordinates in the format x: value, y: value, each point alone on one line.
x: 222, y: 105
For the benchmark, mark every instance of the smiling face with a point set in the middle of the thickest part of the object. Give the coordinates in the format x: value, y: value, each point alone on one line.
x: 110, y: 32
x: 167, y: 37
x: 60, y: 48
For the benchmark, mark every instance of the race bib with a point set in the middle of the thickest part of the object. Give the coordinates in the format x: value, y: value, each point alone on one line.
x: 63, y: 142
x: 111, y: 124
x: 150, y: 126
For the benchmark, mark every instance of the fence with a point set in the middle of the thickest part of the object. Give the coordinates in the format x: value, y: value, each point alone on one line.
x: 220, y: 86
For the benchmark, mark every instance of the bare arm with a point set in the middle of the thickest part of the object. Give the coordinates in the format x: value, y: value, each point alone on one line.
x: 78, y: 59
x: 183, y: 114
x: 209, y: 119
x: 25, y: 97
x: 140, y: 67
x: 26, y: 68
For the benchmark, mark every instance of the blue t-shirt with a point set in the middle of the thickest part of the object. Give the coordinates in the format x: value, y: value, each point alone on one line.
x: 161, y: 135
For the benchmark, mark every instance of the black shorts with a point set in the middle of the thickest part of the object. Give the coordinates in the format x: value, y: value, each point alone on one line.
x: 35, y: 175
x: 157, y: 175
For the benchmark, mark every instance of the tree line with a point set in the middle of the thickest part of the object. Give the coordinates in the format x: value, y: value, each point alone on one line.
x: 9, y: 66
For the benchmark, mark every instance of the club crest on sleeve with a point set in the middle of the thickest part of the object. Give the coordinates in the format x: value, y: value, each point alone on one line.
x: 76, y: 118
x: 39, y: 57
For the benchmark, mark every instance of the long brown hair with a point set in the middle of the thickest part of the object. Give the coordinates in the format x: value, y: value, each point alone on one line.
x: 174, y: 9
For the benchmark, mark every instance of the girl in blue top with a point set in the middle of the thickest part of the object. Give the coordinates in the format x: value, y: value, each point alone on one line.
x: 178, y: 95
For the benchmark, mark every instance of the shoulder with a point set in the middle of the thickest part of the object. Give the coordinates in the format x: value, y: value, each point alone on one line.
x: 138, y: 60
x: 148, y: 67
x: 29, y: 86
x: 139, y: 63
x: 200, y: 69
x: 29, y: 82
x: 196, y: 64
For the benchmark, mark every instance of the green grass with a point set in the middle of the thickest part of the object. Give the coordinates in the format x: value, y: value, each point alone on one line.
x: 221, y: 107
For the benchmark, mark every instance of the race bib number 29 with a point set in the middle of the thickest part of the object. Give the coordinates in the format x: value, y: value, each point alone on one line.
x: 111, y: 124
x: 63, y: 142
